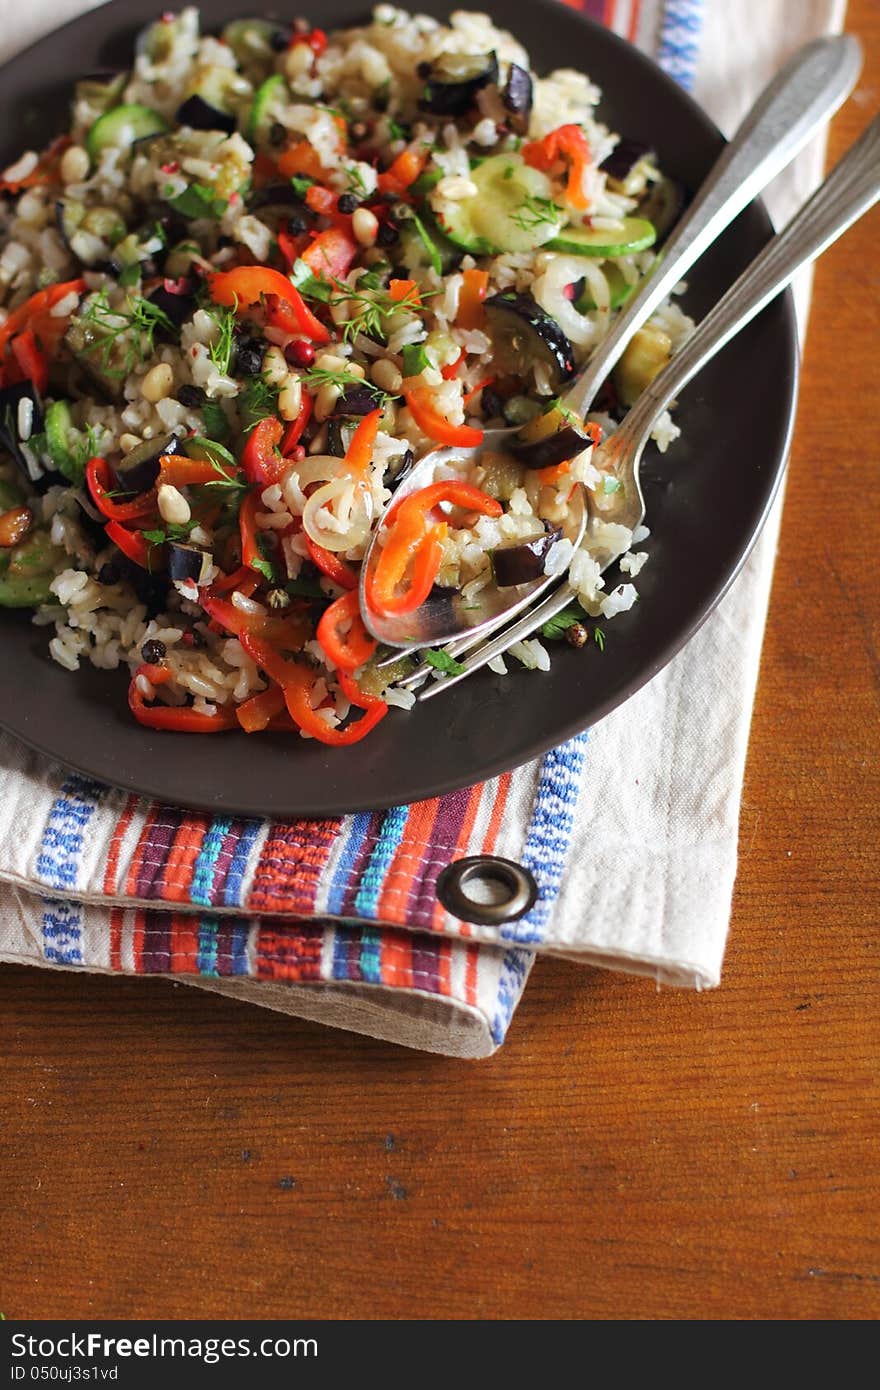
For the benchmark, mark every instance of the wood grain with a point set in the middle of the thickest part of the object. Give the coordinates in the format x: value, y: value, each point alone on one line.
x: 629, y: 1153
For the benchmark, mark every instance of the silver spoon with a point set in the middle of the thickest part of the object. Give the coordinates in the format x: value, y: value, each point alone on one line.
x: 802, y: 96
x: 849, y: 191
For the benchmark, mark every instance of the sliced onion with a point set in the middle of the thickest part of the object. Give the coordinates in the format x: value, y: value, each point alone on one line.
x: 353, y: 512
x: 549, y: 290
x: 321, y: 468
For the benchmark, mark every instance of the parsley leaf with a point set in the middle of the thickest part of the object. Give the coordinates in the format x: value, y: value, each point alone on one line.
x: 199, y: 200
x: 301, y: 184
x: 215, y: 420
x: 442, y: 661
x: 556, y: 628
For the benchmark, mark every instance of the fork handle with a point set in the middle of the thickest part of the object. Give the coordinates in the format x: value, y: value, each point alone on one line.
x: 847, y: 193
x: 802, y: 96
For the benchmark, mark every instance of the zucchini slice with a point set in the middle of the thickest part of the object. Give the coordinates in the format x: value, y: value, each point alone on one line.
x: 636, y: 234
x: 512, y: 210
x: 618, y: 285
x: 122, y: 126
x: 265, y: 97
x: 254, y: 43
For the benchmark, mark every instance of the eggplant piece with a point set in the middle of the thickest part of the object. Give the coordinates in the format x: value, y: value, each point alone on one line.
x: 200, y: 114
x: 662, y: 204
x: 280, y: 197
x: 520, y: 564
x: 517, y: 99
x: 565, y: 444
x: 453, y: 80
x: 399, y: 467
x: 340, y: 432
x: 102, y: 89
x: 187, y: 562
x: 140, y: 468
x: 358, y: 399
x: 21, y: 419
x: 622, y: 160
x: 178, y: 307
x: 524, y: 335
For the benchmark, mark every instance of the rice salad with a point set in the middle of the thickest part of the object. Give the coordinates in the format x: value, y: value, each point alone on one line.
x: 264, y: 272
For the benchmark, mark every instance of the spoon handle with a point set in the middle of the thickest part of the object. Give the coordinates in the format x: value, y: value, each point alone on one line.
x: 802, y: 96
x: 851, y: 188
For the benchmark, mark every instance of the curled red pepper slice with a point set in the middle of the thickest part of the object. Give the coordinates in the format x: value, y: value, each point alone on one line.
x: 99, y: 480
x: 260, y: 459
x: 351, y: 648
x: 297, y: 681
x: 331, y: 565
x: 179, y: 718
x: 421, y: 402
x: 247, y: 284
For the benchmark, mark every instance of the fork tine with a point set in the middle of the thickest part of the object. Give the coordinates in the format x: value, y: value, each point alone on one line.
x: 524, y: 627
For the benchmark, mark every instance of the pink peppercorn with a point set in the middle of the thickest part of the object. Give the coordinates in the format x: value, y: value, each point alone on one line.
x: 300, y: 353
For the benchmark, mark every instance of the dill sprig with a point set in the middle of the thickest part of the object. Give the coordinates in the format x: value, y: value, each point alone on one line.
x: 220, y: 351
x: 131, y: 328
x: 316, y: 377
x: 535, y: 212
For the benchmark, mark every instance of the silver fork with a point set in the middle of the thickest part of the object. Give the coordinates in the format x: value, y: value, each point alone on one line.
x: 799, y: 99
x: 846, y: 194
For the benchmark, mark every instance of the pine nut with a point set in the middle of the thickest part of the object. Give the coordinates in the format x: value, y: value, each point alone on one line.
x: 173, y: 506
x: 158, y: 382
x: 75, y: 165
x: 275, y: 367
x: 386, y: 376
x: 326, y: 400
x: 329, y: 362
x: 127, y: 442
x: 455, y: 187
x: 365, y: 225
x: 297, y: 61
x: 290, y: 398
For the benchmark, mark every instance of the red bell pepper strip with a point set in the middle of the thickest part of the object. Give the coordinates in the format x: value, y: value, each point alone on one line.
x: 353, y: 693
x: 331, y: 253
x: 413, y: 541
x: 331, y: 565
x: 247, y: 284
x: 404, y: 292
x: 422, y: 407
x: 31, y: 360
x: 403, y: 172
x: 470, y: 302
x: 132, y: 544
x: 289, y: 246
x: 256, y: 714
x: 359, y: 454
x: 350, y: 649
x: 99, y: 480
x: 45, y: 171
x: 251, y: 554
x: 301, y: 158
x: 297, y: 681
x: 180, y: 718
x: 475, y: 390
x: 225, y: 583
x: 315, y: 38
x: 568, y: 141
x: 34, y: 308
x: 287, y: 633
x: 260, y: 460
x: 295, y: 318
x: 179, y: 471
x: 296, y: 427
x: 450, y: 371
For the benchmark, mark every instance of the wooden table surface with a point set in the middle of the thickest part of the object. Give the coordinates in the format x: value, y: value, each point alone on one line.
x: 629, y: 1153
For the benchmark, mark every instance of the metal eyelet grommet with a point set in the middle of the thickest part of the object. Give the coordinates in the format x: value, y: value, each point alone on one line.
x: 487, y: 890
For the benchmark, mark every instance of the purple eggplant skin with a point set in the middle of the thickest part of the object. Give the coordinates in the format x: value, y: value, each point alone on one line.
x: 626, y: 154
x: 520, y: 564
x: 531, y: 335
x: 357, y: 400
x: 202, y: 115
x: 399, y: 468
x: 139, y: 469
x: 179, y: 308
x: 450, y: 90
x: 188, y: 562
x: 557, y: 448
x: 517, y: 99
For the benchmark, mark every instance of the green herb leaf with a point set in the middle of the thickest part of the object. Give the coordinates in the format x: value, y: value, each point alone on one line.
x: 305, y: 588
x: 301, y: 183
x: 131, y: 275
x: 556, y: 628
x: 199, y: 200
x: 220, y: 351
x: 535, y: 212
x: 257, y: 401
x: 213, y: 450
x: 215, y: 420
x: 265, y: 568
x: 415, y: 359
x: 599, y: 638
x: 442, y: 661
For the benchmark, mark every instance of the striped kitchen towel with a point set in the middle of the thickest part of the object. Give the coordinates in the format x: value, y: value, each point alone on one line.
x: 630, y: 832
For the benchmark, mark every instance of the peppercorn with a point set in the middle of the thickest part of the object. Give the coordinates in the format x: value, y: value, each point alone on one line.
x: 280, y: 40
x: 191, y: 396
x: 109, y: 573
x: 249, y: 356
x: 387, y: 234
x: 297, y: 224
x: 492, y: 404
x: 347, y: 203
x: 277, y: 133
x: 153, y: 651
x: 577, y: 635
x: 300, y: 353
x: 278, y: 598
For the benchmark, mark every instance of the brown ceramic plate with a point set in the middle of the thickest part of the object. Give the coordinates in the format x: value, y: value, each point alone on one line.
x: 706, y: 501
